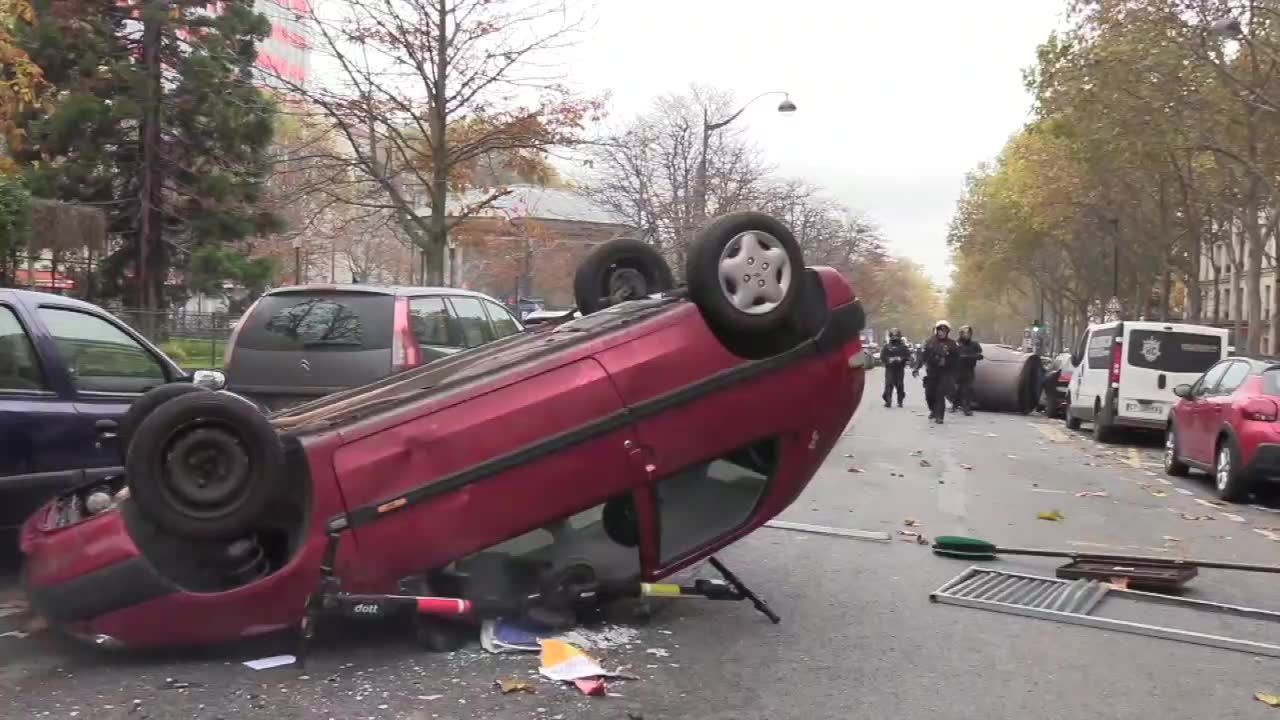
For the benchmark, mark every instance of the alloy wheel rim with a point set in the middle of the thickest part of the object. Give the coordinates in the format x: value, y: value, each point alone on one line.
x: 1224, y: 468
x: 1168, y: 449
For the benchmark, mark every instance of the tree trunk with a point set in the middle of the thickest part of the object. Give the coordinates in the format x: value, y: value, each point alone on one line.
x: 438, y: 231
x: 150, y: 225
x: 1253, y: 275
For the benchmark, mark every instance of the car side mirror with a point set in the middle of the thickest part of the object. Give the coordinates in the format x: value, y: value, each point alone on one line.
x: 209, y: 379
x: 1182, y: 390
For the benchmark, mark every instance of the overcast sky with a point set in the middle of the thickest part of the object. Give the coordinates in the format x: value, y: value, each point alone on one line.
x: 897, y: 101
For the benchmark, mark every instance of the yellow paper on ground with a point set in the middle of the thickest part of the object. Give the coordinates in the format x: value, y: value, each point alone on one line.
x: 564, y: 662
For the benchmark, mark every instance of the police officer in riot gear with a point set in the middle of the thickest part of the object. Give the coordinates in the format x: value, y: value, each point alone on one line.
x: 939, y: 359
x: 969, y: 352
x: 895, y: 356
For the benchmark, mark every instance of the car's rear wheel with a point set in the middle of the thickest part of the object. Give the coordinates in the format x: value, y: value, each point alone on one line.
x: 147, y: 404
x: 203, y: 466
x: 617, y: 271
x: 745, y: 271
x: 1073, y: 422
x: 1172, y: 465
x: 1229, y: 478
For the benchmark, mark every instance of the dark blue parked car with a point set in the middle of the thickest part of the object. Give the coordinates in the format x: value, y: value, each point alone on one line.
x: 65, y: 365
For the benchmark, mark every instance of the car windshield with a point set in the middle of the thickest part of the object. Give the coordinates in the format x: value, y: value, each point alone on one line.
x: 319, y: 320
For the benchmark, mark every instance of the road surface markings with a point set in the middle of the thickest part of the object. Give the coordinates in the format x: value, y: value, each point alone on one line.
x: 1052, y: 432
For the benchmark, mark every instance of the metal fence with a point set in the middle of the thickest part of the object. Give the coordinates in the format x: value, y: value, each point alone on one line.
x: 193, y: 339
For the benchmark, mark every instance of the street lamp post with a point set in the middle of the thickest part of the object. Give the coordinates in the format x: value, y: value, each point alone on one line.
x: 708, y: 127
x: 297, y: 261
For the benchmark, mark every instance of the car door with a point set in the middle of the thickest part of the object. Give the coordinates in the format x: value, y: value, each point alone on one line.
x: 1218, y: 404
x: 39, y: 426
x: 1097, y: 363
x: 436, y: 330
x: 1194, y: 439
x: 108, y: 369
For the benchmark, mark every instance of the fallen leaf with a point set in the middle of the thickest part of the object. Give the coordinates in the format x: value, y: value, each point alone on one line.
x: 1092, y: 493
x: 1183, y: 491
x: 1053, y: 515
x: 1232, y: 517
x: 856, y: 470
x: 1158, y: 492
x: 925, y: 463
x: 511, y: 685
x: 1171, y: 538
x: 1267, y: 698
x: 965, y: 467
x: 848, y: 455
x: 917, y: 453
x: 910, y: 522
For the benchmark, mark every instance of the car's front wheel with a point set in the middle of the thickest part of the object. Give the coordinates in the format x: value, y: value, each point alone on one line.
x: 1073, y: 422
x: 620, y: 270
x: 204, y: 466
x: 1172, y: 465
x: 1229, y: 477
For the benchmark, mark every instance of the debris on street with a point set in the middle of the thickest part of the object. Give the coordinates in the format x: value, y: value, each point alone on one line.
x: 1172, y: 538
x: 856, y: 469
x: 910, y: 522
x: 1267, y: 698
x: 659, y: 652
x: 1183, y: 491
x: 1232, y: 517
x: 873, y: 535
x: 912, y: 536
x: 1193, y: 516
x: 965, y: 467
x: 925, y: 463
x: 1268, y: 533
x: 563, y: 662
x: 512, y: 685
x: 1052, y: 515
x: 1048, y: 490
x: 591, y: 687
x: 1092, y: 493
x: 1211, y: 503
x: 917, y: 453
x: 267, y: 663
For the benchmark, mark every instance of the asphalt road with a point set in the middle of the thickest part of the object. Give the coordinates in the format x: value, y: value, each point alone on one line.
x: 859, y: 637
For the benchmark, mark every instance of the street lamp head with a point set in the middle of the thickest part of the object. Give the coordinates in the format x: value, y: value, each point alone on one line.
x: 1227, y: 27
x: 786, y: 106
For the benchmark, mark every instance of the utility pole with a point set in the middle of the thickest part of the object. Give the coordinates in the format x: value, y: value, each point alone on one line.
x: 708, y: 127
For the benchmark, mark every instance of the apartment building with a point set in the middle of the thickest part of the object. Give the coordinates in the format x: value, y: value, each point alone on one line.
x: 1220, y: 279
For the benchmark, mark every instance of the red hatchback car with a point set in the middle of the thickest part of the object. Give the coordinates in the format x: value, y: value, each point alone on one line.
x: 661, y: 426
x: 1226, y: 424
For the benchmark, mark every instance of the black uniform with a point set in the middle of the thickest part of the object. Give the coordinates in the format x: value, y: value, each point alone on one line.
x: 895, y: 356
x: 969, y: 352
x: 939, y: 359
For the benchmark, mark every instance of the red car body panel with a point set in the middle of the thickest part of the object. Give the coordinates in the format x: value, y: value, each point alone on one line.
x: 1201, y: 421
x: 549, y: 432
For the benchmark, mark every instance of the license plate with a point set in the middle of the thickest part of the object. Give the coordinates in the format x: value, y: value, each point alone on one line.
x: 1145, y: 409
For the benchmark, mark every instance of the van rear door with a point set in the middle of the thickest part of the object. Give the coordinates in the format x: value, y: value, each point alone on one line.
x: 1156, y: 359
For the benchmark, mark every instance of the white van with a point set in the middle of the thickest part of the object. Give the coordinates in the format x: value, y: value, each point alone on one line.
x: 1126, y: 371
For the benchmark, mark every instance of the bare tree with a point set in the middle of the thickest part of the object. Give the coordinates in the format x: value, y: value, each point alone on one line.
x: 426, y: 92
x: 647, y: 171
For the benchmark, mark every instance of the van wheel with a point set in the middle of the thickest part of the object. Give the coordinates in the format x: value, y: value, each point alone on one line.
x: 617, y: 271
x: 1228, y: 476
x: 1073, y: 422
x: 204, y: 466
x: 1172, y: 465
x: 147, y: 404
x: 745, y: 271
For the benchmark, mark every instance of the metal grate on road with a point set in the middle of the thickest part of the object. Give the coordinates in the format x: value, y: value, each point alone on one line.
x: 1073, y: 602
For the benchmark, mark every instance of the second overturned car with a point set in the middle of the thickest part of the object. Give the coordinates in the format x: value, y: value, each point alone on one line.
x: 622, y: 446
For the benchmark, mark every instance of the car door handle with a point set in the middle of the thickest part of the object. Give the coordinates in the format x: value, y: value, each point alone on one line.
x: 106, y: 429
x: 1161, y: 381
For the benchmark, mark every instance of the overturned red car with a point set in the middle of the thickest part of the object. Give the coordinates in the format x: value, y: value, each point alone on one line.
x: 618, y: 447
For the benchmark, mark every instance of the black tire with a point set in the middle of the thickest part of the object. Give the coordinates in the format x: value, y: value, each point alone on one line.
x: 240, y: 455
x: 617, y: 271
x: 1172, y: 465
x: 707, y: 290
x: 1236, y: 486
x: 147, y: 404
x: 1073, y: 422
x: 1101, y: 429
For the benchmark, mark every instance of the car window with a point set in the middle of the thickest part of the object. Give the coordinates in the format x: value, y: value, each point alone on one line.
x: 1099, y: 350
x: 472, y: 320
x: 1209, y: 381
x: 1271, y: 381
x: 1173, y: 352
x: 706, y: 501
x: 323, y: 321
x: 503, y: 323
x: 100, y: 356
x: 19, y: 369
x: 1232, y: 378
x: 429, y: 318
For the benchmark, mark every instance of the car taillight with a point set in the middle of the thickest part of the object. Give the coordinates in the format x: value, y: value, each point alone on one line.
x: 235, y: 333
x: 1260, y: 409
x: 405, y: 352
x: 1064, y: 377
x: 1116, y: 350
